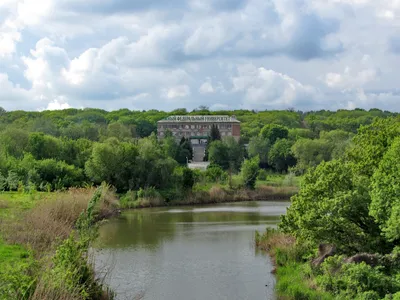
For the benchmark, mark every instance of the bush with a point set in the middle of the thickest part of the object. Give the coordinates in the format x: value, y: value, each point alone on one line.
x: 215, y: 174
x: 351, y: 280
x: 128, y: 200
x: 250, y: 171
x: 262, y: 175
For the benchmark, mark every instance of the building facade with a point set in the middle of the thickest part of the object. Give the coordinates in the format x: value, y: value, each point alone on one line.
x: 197, y: 128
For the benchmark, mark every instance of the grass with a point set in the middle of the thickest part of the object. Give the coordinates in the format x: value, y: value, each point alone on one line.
x: 33, y: 227
x: 209, y: 194
x: 11, y: 253
x: 294, y: 275
x: 293, y: 282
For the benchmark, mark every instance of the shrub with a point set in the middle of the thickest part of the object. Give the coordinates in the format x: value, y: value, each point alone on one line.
x: 352, y: 280
x: 262, y: 175
x: 250, y: 171
x: 215, y: 174
x: 128, y: 200
x: 217, y: 194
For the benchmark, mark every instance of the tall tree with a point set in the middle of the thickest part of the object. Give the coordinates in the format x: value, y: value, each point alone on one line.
x: 273, y: 132
x: 280, y: 156
x: 249, y: 172
x: 215, y: 135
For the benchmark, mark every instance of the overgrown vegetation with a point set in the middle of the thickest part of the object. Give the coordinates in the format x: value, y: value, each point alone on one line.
x: 348, y: 200
x: 344, y: 223
x: 45, y: 249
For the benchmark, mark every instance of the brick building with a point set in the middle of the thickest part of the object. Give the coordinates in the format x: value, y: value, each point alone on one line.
x: 197, y: 128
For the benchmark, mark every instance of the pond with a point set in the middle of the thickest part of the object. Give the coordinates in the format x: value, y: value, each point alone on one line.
x: 190, y: 253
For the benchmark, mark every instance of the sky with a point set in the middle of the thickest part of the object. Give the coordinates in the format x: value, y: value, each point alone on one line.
x: 224, y: 54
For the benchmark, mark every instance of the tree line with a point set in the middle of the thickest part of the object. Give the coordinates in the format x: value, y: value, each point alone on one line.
x: 52, y: 150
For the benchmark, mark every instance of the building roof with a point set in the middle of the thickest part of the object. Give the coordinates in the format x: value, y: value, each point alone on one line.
x: 200, y: 119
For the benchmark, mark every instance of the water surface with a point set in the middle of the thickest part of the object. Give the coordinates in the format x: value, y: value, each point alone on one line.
x: 189, y: 253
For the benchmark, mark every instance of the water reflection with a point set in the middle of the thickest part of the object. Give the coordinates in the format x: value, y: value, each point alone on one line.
x: 191, y: 252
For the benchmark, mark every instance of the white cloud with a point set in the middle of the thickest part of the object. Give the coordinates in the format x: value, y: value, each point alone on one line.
x: 58, y: 104
x: 178, y: 91
x: 349, y: 79
x: 264, y: 88
x: 206, y: 88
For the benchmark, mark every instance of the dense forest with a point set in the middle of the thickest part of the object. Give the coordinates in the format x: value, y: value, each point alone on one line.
x: 340, y: 238
x: 53, y: 150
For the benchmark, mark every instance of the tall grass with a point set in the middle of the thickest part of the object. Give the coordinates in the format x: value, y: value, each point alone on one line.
x: 52, y: 220
x: 58, y: 232
x: 294, y: 276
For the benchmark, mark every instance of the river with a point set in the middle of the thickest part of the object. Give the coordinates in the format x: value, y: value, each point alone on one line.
x: 188, y: 253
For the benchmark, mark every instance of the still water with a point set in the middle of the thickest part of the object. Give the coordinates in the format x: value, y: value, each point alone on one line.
x: 189, y: 253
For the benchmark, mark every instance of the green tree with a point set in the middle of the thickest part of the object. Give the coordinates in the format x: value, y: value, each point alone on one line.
x: 310, y: 153
x: 43, y: 146
x: 260, y: 147
x: 333, y: 207
x: 12, y: 180
x: 119, y: 131
x: 59, y: 174
x: 215, y: 173
x: 145, y: 128
x: 280, y: 156
x: 235, y: 153
x: 385, y: 193
x: 218, y: 154
x: 371, y: 143
x: 215, y: 135
x: 113, y: 162
x: 14, y: 141
x: 187, y: 179
x: 249, y: 172
x: 3, y: 182
x: 273, y: 132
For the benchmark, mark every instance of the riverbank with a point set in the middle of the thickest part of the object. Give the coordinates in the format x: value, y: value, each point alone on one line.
x: 213, y: 195
x: 293, y: 274
x: 44, y: 240
x: 304, y: 272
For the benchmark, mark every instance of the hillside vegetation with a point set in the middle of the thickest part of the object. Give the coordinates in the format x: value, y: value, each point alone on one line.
x: 340, y: 238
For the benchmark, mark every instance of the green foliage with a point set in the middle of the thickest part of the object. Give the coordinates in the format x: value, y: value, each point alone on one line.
x: 292, y: 284
x: 42, y: 146
x: 356, y: 281
x: 310, y: 153
x: 218, y: 154
x: 333, y: 207
x: 115, y: 163
x: 215, y: 135
x: 12, y: 181
x: 228, y: 154
x: 16, y: 278
x: 3, y: 182
x: 262, y: 175
x: 128, y: 200
x: 273, y: 132
x: 57, y: 173
x: 71, y: 271
x: 258, y: 146
x: 250, y: 171
x: 385, y: 193
x: 215, y: 173
x: 280, y: 156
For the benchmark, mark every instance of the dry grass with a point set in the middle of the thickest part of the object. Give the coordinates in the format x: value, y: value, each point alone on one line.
x: 273, y: 239
x: 52, y: 220
x: 217, y: 194
x: 3, y: 204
